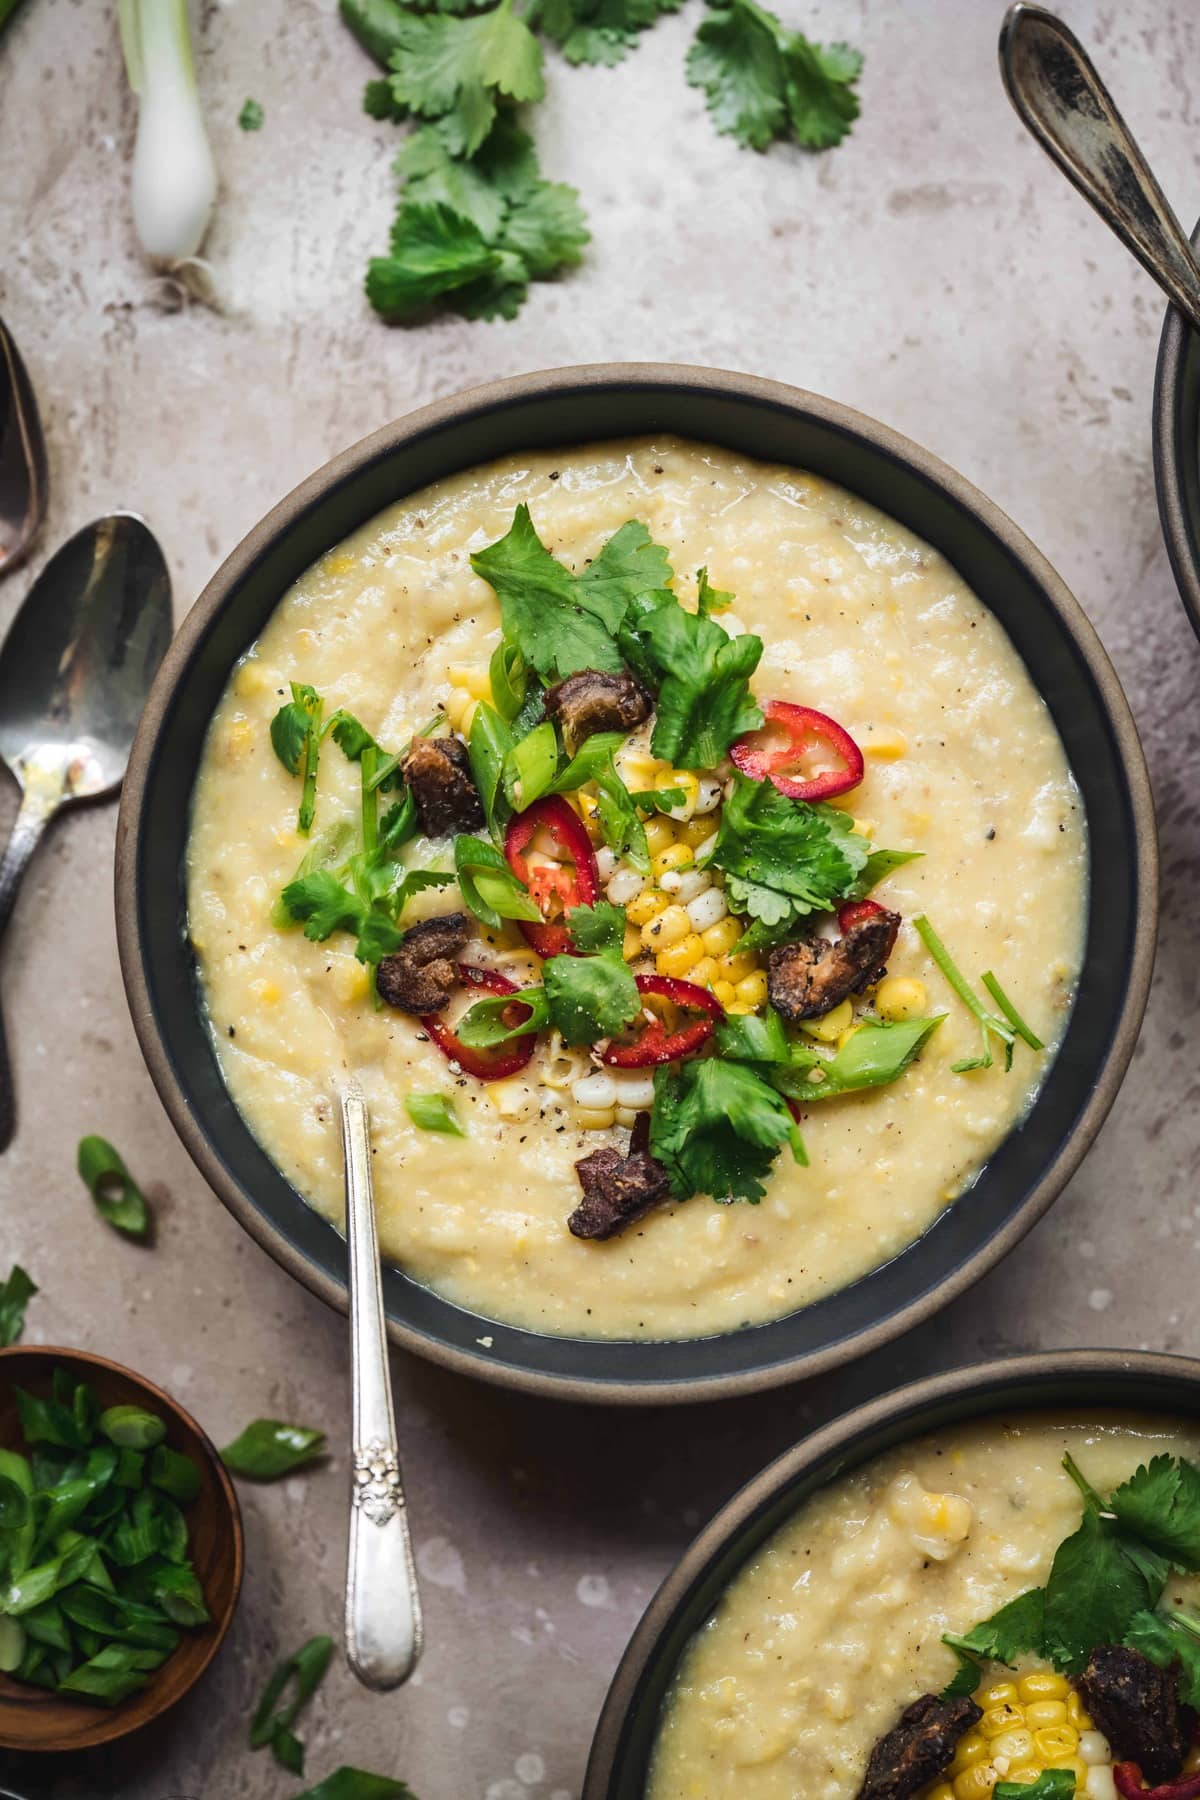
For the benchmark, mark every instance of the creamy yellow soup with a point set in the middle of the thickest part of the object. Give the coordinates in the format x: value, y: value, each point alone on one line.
x: 836, y: 1626
x: 861, y: 620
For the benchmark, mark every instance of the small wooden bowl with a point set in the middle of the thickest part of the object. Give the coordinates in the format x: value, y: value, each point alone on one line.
x: 31, y: 1718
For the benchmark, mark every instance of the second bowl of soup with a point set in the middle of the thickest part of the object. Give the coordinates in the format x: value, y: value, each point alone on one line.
x: 688, y: 853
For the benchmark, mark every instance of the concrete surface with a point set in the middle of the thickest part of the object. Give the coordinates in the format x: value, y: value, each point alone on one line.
x: 935, y: 271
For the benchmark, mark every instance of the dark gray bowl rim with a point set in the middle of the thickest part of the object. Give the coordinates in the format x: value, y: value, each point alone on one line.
x: 680, y: 381
x: 1177, y: 459
x: 1066, y: 1380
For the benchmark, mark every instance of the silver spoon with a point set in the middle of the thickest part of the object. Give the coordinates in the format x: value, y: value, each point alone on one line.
x: 383, y: 1605
x: 1057, y: 93
x: 75, y: 670
x: 24, y: 478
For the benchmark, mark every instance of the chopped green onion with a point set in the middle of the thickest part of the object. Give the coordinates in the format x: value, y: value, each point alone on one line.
x: 358, y: 1784
x: 990, y: 1024
x: 1010, y: 1012
x: 15, y: 1294
x: 268, y: 1448
x: 306, y: 1667
x: 175, y: 1474
x: 132, y: 1427
x: 509, y: 678
x: 118, y: 1198
x: 529, y: 767
x: 433, y: 1112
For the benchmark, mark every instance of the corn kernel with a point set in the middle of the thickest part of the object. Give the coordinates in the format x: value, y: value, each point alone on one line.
x: 1077, y: 1712
x: 659, y: 833
x: 943, y: 1791
x: 971, y: 1749
x: 683, y: 778
x: 477, y: 682
x: 863, y: 827
x: 827, y: 1030
x: 1026, y: 1773
x: 645, y: 906
x: 1055, y: 1742
x: 641, y: 771
x: 736, y: 968
x: 1045, y: 1712
x: 239, y: 737
x: 900, y: 997
x: 1039, y: 1684
x: 752, y: 989
x: 975, y: 1783
x: 458, y: 704
x: 352, y: 981
x: 266, y: 992
x: 738, y: 1006
x: 339, y: 565
x: 513, y: 1098
x: 998, y: 1719
x: 1016, y: 1745
x: 996, y: 1693
x: 679, y: 959
x: 593, y: 1119
x: 674, y: 856
x: 668, y: 927
x: 720, y: 938
x: 885, y: 746
x: 631, y: 944
x: 725, y: 992
x: 706, y: 971
x: 694, y: 831
x: 251, y: 679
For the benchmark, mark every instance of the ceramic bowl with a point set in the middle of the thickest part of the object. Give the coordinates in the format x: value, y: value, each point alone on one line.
x: 1076, y: 1379
x: 33, y: 1718
x: 761, y: 419
x: 1177, y: 451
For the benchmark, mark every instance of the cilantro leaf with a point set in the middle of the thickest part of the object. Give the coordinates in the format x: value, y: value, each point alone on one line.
x: 251, y: 116
x: 546, y: 610
x: 704, y: 701
x: 710, y: 600
x: 296, y: 740
x: 321, y: 903
x: 456, y: 70
x: 966, y: 1677
x: 1167, y: 1639
x: 1016, y: 1629
x: 597, y: 930
x: 1093, y: 1592
x: 784, y: 858
x: 717, y: 1127
x: 590, y: 997
x: 545, y: 230
x: 433, y: 251
x: 1160, y: 1504
x: 763, y: 81
x: 597, y: 31
x: 15, y: 1295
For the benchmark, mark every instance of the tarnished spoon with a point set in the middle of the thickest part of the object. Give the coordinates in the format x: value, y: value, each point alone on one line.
x: 75, y: 670
x: 383, y: 1605
x: 24, y: 478
x: 1057, y: 93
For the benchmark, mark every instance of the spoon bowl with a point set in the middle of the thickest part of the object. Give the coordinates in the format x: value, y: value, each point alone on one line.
x: 75, y: 670
x: 24, y: 475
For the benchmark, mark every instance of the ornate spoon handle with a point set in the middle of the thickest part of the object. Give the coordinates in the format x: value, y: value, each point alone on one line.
x: 383, y: 1606
x: 1058, y: 94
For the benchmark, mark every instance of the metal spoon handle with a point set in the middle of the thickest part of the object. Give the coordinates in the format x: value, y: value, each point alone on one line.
x: 1057, y: 93
x: 31, y: 820
x: 383, y: 1606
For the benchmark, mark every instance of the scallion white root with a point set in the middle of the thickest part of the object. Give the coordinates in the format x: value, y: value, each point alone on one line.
x: 174, y: 176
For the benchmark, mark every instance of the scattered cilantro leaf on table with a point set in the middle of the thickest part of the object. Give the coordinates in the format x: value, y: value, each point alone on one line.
x: 251, y: 116
x: 458, y: 69
x: 597, y: 31
x: 15, y: 1295
x: 348, y: 1783
x: 717, y: 1127
x: 763, y: 82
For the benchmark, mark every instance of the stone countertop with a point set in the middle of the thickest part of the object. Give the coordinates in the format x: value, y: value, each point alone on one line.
x: 934, y: 271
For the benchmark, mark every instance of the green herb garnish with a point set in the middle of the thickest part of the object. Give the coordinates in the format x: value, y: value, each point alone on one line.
x: 296, y: 739
x: 1051, y: 1784
x: 717, y: 1127
x: 592, y: 995
x: 433, y: 1112
x: 702, y: 677
x: 875, y: 1055
x: 251, y: 116
x: 118, y: 1198
x: 784, y: 859
x: 763, y: 82
x: 95, y: 1576
x: 15, y: 1295
x: 272, y: 1723
x: 358, y: 1784
x: 268, y: 1448
x: 488, y: 886
x: 1006, y: 1026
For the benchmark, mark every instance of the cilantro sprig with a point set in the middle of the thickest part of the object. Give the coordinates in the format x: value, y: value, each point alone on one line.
x: 784, y: 859
x: 764, y: 82
x: 1106, y: 1581
x: 717, y: 1127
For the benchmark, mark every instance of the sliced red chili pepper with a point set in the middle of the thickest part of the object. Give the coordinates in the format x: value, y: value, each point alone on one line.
x: 503, y: 1059
x: 807, y: 755
x: 558, y: 889
x: 654, y: 1043
x: 854, y: 912
x: 1128, y: 1780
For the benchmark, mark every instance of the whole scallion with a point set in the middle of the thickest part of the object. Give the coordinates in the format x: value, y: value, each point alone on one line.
x: 174, y: 176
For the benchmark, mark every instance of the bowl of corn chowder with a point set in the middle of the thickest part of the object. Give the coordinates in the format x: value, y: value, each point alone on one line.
x: 982, y: 1582
x: 675, y: 798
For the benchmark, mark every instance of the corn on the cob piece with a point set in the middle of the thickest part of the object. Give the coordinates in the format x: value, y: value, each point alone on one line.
x: 1030, y: 1724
